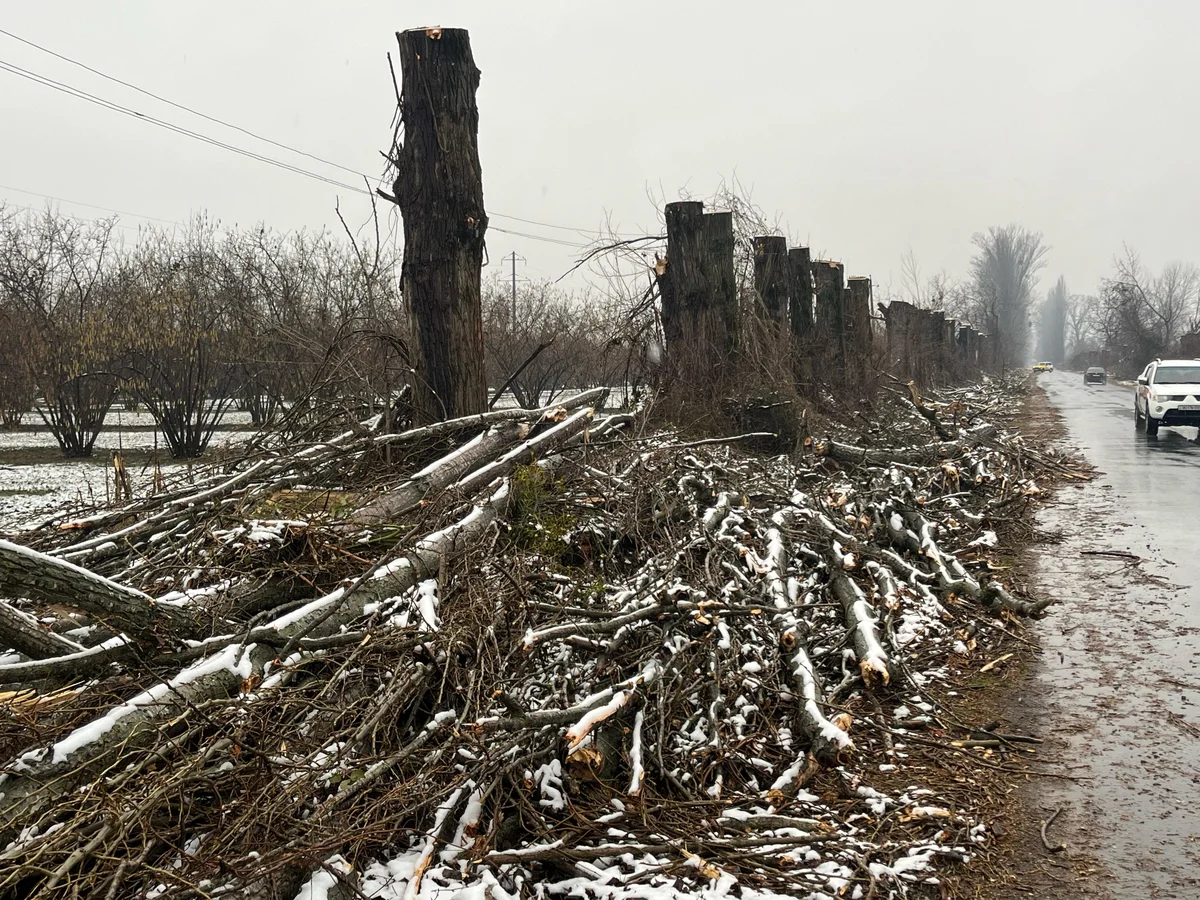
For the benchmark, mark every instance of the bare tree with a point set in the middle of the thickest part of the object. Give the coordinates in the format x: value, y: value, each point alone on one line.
x: 1143, y: 315
x: 1082, y: 323
x: 939, y: 291
x: 1052, y: 324
x: 20, y: 348
x: 53, y: 268
x: 914, y: 288
x: 557, y: 341
x: 1004, y: 271
x: 1175, y: 298
x: 180, y: 317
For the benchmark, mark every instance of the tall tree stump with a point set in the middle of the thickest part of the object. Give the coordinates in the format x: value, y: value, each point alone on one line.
x: 723, y: 319
x: 859, y: 313
x: 830, y: 285
x: 698, y: 286
x: 771, y: 276
x: 439, y: 189
x: 801, y: 290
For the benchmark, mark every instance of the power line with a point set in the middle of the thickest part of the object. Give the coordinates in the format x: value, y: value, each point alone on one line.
x: 120, y: 212
x: 178, y: 129
x: 34, y: 209
x: 179, y: 106
x: 219, y: 121
x: 186, y: 132
x: 123, y: 212
x: 538, y: 237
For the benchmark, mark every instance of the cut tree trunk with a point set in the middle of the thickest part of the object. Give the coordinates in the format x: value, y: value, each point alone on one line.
x: 698, y: 286
x: 594, y: 397
x: 771, y: 275
x: 22, y: 632
x: 27, y: 573
x: 439, y: 189
x: 801, y: 289
x: 859, y: 312
x: 439, y: 474
x: 830, y: 290
x: 873, y: 660
x: 724, y: 321
x: 682, y: 284
x: 863, y: 456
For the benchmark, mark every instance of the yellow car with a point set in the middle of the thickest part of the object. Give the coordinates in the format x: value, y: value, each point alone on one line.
x: 1043, y: 367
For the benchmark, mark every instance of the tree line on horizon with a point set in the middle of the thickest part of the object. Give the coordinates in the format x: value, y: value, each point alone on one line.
x: 1134, y: 315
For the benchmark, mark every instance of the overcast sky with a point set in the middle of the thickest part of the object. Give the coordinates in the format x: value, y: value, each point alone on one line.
x: 866, y: 128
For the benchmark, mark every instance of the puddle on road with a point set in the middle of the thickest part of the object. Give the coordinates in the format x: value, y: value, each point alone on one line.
x: 1116, y: 695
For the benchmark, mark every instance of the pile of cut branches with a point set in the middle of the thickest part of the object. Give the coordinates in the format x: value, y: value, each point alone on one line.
x: 545, y: 653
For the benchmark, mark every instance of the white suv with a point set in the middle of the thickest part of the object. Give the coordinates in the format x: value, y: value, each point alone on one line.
x: 1168, y: 393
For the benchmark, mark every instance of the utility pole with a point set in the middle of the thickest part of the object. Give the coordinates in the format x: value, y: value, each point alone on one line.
x: 514, y: 259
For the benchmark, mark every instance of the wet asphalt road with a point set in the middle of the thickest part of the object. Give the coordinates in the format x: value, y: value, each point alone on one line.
x: 1117, y: 692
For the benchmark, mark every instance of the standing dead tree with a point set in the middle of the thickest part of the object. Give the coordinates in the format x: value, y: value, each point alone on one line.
x: 439, y: 189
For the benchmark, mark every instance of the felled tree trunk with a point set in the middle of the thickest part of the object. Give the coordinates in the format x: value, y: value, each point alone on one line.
x: 441, y: 474
x: 873, y: 660
x: 439, y: 189
x: 21, y: 632
x: 862, y: 456
x: 26, y: 573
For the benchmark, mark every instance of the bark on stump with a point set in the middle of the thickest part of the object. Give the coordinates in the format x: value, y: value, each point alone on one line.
x: 860, y: 312
x: 830, y: 287
x: 439, y: 189
x: 698, y: 287
x: 722, y: 281
x: 681, y: 283
x: 801, y: 289
x: 771, y: 275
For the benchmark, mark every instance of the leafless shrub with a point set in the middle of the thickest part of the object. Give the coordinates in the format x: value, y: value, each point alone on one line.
x: 541, y: 341
x: 52, y: 274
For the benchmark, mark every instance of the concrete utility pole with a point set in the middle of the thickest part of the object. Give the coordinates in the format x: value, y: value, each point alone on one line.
x: 514, y: 259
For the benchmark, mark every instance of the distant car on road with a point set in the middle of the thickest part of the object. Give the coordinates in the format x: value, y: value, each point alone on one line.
x: 1168, y: 393
x: 1095, y: 375
x: 1043, y: 367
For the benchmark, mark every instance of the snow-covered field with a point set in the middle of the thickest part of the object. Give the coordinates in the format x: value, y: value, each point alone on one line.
x: 120, y: 418
x: 28, y: 493
x: 110, y: 440
x: 32, y: 491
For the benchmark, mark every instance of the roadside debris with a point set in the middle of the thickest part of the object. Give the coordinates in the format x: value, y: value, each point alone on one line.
x: 546, y: 653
